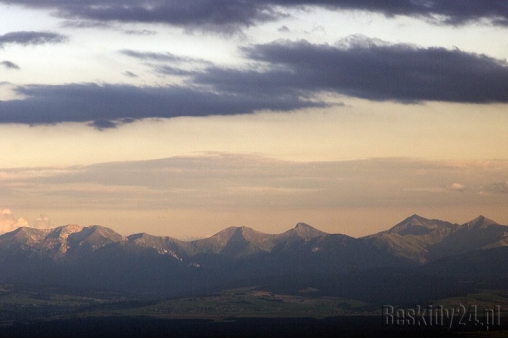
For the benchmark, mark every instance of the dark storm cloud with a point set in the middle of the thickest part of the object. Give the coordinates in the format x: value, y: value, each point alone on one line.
x: 231, y: 15
x: 110, y: 105
x: 26, y: 38
x: 450, y: 12
x: 367, y: 69
x: 215, y: 15
x: 9, y: 64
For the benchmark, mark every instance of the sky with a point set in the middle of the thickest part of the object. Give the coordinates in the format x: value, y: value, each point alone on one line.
x: 182, y: 118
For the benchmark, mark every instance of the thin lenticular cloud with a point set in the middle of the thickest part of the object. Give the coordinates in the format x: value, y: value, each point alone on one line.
x: 26, y: 38
x: 161, y: 57
x: 9, y: 64
x: 130, y: 74
x: 222, y: 181
x: 140, y: 32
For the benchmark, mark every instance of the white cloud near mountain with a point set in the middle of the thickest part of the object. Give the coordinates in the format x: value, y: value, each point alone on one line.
x: 8, y: 222
x: 43, y: 221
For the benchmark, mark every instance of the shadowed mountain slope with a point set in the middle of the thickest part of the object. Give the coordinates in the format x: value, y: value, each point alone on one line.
x: 97, y: 256
x: 422, y: 240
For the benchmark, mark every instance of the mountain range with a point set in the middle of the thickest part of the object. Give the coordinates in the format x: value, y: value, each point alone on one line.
x: 98, y: 257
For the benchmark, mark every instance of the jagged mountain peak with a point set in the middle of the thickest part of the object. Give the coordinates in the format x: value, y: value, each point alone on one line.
x: 480, y: 222
x: 25, y: 230
x: 234, y: 231
x: 303, y: 226
x: 95, y: 235
x: 139, y: 236
x: 415, y: 218
x: 63, y: 232
x: 136, y: 236
x: 26, y: 234
x: 417, y: 225
x: 235, y: 241
x: 306, y: 231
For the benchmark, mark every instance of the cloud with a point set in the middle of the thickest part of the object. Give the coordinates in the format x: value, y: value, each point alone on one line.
x: 162, y: 57
x: 9, y: 64
x: 284, y: 76
x: 500, y: 187
x: 437, y: 11
x: 130, y: 74
x: 8, y: 223
x: 237, y: 181
x: 26, y: 38
x: 84, y: 24
x: 107, y: 106
x: 283, y: 29
x: 168, y: 63
x: 231, y: 15
x: 368, y: 69
x: 457, y: 187
x: 43, y: 222
x: 225, y: 16
x: 140, y: 32
x: 171, y: 70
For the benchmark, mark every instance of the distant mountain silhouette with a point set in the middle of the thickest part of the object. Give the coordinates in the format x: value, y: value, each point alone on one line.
x: 97, y: 256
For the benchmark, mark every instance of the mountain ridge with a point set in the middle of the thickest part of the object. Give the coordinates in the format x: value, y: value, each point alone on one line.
x: 299, y: 228
x: 97, y: 256
x: 416, y: 233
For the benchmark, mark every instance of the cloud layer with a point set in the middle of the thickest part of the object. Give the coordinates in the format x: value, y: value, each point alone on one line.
x: 109, y: 105
x: 373, y: 70
x: 204, y: 194
x: 235, y: 181
x: 283, y: 76
x: 231, y: 15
